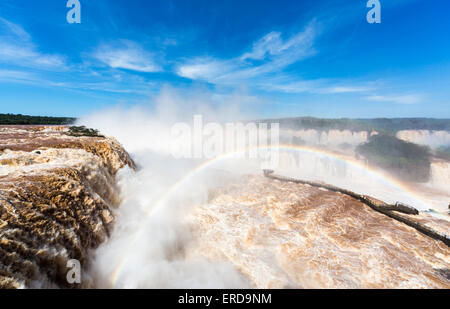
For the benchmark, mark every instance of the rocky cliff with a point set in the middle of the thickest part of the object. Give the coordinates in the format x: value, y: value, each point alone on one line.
x: 57, y: 199
x: 330, y: 138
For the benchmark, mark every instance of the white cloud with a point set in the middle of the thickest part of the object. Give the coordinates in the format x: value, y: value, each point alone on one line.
x: 16, y: 48
x: 264, y: 66
x: 399, y: 99
x: 128, y: 83
x: 126, y: 55
x: 170, y: 42
x: 292, y: 87
x: 287, y: 84
x: 14, y: 30
x: 270, y: 44
x: 26, y: 55
x: 274, y: 53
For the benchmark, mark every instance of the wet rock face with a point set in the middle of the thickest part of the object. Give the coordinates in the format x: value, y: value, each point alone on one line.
x: 282, y: 234
x: 57, y: 196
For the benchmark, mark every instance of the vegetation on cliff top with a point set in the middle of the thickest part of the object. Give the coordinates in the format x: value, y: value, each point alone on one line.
x: 407, y: 161
x: 11, y: 119
x: 83, y: 131
x: 382, y: 125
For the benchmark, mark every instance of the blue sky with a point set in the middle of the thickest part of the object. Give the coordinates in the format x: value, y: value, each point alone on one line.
x: 284, y: 58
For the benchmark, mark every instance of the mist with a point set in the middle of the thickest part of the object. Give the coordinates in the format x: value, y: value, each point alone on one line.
x: 152, y: 248
x: 151, y: 245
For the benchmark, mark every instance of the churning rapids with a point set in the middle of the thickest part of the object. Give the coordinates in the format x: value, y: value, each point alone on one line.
x: 158, y: 222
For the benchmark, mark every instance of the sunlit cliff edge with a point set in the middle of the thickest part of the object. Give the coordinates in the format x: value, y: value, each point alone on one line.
x: 282, y: 234
x: 57, y: 195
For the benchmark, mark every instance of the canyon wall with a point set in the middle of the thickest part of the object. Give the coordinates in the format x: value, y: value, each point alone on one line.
x: 345, y: 142
x: 433, y: 139
x: 57, y: 199
x: 282, y: 235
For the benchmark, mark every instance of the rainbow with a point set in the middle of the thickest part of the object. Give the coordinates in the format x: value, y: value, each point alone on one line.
x: 162, y: 201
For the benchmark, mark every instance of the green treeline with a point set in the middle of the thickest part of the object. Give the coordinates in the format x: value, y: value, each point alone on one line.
x: 407, y: 161
x: 12, y: 119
